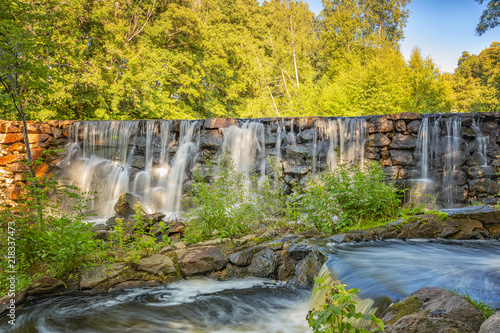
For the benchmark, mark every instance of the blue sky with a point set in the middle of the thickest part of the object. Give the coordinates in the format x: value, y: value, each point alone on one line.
x: 441, y: 29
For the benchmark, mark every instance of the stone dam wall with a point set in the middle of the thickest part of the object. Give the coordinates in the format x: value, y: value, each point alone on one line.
x: 453, y: 157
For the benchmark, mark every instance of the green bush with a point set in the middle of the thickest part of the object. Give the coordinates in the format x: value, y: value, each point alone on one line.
x: 348, y: 196
x: 338, y: 313
x: 47, y: 239
x: 226, y: 204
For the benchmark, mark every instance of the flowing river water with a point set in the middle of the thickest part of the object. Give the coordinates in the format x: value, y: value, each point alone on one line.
x: 384, y: 271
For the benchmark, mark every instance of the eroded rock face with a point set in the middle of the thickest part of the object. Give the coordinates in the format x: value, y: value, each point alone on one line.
x: 432, y: 309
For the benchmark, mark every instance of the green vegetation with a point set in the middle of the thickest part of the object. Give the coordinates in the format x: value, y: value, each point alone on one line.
x: 349, y: 196
x: 181, y: 59
x: 227, y: 204
x: 485, y: 310
x: 130, y: 241
x: 338, y: 313
x: 46, y: 240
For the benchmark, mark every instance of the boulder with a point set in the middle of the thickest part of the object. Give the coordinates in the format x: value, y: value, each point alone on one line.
x: 126, y: 204
x: 157, y: 264
x: 491, y: 325
x: 265, y: 264
x: 483, y: 213
x: 199, y: 260
x: 432, y: 309
x: 96, y: 275
x: 244, y: 258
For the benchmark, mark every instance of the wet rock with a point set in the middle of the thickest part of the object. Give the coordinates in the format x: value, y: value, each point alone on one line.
x: 372, y: 153
x: 215, y: 123
x: 380, y: 125
x: 432, y: 309
x: 308, y: 268
x: 244, y: 258
x: 157, y: 264
x: 289, y: 168
x: 126, y: 204
x: 378, y: 140
x: 406, y: 116
x: 483, y: 213
x: 176, y: 227
x: 402, y: 157
x: 45, y: 285
x: 491, y: 325
x: 307, y: 135
x: 298, y: 151
x: 265, y: 264
x: 414, y: 126
x: 425, y: 324
x: 484, y: 186
x: 482, y: 171
x: 210, y: 139
x: 99, y: 274
x: 401, y: 141
x: 199, y: 260
x: 400, y: 126
x: 135, y: 284
x: 298, y: 251
x: 392, y: 172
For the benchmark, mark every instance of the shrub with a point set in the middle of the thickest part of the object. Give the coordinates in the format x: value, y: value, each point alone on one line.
x: 47, y: 239
x: 225, y: 203
x: 338, y: 313
x: 345, y: 197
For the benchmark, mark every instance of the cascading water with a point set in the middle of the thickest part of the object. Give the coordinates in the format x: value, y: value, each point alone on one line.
x: 246, y: 146
x: 116, y: 157
x: 452, y: 160
x: 347, y: 138
x: 439, y: 153
x: 481, y: 143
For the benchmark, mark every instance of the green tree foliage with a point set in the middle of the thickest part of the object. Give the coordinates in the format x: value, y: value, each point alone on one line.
x: 490, y: 17
x: 168, y: 59
x: 476, y: 81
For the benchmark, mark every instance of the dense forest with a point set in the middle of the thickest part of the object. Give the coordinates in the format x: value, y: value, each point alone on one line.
x: 189, y: 59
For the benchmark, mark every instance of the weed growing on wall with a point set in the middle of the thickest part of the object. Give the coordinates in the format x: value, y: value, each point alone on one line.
x: 348, y: 196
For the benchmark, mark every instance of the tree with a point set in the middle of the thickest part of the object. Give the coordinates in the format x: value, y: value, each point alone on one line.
x: 490, y: 17
x: 427, y: 87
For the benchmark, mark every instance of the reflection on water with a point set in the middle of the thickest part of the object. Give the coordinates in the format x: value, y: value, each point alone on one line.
x: 201, y: 305
x: 398, y: 268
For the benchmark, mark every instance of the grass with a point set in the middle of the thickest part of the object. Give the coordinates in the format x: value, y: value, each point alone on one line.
x: 485, y: 310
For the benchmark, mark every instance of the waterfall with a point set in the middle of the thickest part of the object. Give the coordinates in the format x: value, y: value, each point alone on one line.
x: 347, y: 138
x: 481, y: 142
x: 115, y: 157
x: 439, y: 156
x: 451, y: 159
x: 246, y: 146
